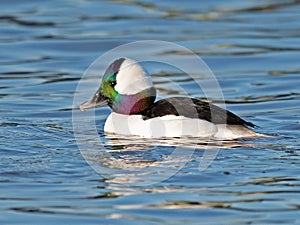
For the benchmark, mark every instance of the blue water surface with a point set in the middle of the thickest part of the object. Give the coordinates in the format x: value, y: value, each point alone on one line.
x: 252, y: 47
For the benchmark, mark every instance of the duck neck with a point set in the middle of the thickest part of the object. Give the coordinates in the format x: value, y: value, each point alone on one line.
x: 134, y: 104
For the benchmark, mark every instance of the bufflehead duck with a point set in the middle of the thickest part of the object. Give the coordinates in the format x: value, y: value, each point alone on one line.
x: 128, y: 91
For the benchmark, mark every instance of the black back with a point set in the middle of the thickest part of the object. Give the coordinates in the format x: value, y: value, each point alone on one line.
x: 193, y: 108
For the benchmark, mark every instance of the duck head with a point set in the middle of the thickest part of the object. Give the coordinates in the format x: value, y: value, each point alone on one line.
x: 125, y: 87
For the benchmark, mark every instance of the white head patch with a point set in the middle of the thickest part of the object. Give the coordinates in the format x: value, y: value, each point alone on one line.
x: 132, y: 78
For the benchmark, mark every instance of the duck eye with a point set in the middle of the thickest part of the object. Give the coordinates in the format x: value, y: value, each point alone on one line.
x: 113, y: 83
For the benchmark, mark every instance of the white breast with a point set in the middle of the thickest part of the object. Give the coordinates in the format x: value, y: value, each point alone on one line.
x: 172, y: 126
x: 166, y: 126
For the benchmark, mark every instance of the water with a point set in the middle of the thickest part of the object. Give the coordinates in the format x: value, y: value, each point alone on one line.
x: 251, y: 46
